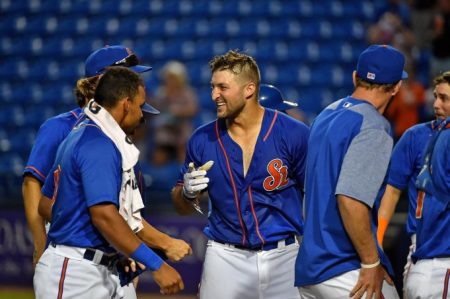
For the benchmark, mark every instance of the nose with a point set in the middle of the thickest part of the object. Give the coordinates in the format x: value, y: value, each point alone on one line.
x: 215, y: 94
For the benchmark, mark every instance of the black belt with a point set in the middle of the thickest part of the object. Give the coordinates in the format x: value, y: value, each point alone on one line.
x: 106, y: 260
x: 89, y: 254
x: 265, y: 247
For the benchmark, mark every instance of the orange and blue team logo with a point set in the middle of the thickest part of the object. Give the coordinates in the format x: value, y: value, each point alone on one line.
x: 278, y: 175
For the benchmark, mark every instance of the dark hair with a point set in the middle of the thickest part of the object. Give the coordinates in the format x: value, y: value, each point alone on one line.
x: 442, y: 78
x: 115, y: 84
x: 85, y: 90
x: 367, y: 85
x: 238, y: 63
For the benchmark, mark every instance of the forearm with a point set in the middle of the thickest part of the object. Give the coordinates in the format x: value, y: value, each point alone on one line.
x: 356, y: 218
x: 389, y: 202
x: 31, y: 192
x: 115, y: 230
x: 182, y: 206
x: 153, y: 237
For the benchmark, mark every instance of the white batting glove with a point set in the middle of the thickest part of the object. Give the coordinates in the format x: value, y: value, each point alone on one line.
x: 195, y: 180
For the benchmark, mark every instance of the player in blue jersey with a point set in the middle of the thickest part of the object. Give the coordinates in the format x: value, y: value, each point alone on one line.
x: 94, y: 210
x: 348, y: 154
x: 54, y: 130
x: 429, y: 277
x: 255, y: 187
x: 406, y: 163
x: 52, y: 133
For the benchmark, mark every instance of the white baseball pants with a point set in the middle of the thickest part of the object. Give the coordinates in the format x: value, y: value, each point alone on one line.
x: 339, y: 287
x: 233, y: 273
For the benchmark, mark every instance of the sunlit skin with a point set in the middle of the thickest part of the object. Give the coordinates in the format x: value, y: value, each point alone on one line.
x: 442, y: 100
x: 228, y: 94
x: 133, y: 114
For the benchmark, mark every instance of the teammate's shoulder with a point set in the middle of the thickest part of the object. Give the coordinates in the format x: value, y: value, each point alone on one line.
x: 207, y: 128
x: 66, y: 119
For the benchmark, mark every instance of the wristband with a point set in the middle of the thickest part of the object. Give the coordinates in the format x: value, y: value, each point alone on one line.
x: 187, y: 196
x: 146, y: 256
x: 370, y: 266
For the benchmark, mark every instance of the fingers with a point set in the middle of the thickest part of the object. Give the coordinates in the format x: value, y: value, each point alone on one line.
x: 191, y: 167
x: 355, y: 289
x: 197, y: 173
x: 142, y: 266
x: 388, y: 279
x: 207, y: 166
x: 173, y: 289
x: 133, y: 265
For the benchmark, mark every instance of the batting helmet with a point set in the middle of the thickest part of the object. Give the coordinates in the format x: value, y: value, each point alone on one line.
x: 271, y: 97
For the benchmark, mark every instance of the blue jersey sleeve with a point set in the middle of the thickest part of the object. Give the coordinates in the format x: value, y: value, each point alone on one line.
x: 299, y: 154
x: 43, y: 153
x: 402, y: 161
x: 100, y: 166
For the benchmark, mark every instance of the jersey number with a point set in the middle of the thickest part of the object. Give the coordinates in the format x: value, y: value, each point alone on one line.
x: 278, y: 175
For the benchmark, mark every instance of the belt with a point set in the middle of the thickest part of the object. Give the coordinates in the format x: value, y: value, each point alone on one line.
x: 95, y: 255
x: 99, y: 257
x: 264, y: 247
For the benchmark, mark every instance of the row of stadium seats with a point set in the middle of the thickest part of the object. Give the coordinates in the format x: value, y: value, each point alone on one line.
x: 300, y: 8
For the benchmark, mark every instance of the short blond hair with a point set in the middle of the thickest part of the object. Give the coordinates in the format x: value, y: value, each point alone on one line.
x: 240, y: 64
x: 85, y: 90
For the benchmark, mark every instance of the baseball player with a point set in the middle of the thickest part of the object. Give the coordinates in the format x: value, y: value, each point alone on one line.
x: 429, y: 277
x: 255, y: 187
x: 84, y: 184
x: 54, y: 130
x: 405, y: 165
x: 348, y: 155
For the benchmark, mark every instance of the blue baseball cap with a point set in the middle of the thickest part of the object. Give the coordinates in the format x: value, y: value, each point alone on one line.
x: 271, y: 97
x: 381, y: 64
x: 107, y: 56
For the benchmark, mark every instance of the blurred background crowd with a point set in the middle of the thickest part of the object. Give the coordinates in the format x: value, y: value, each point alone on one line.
x: 306, y: 48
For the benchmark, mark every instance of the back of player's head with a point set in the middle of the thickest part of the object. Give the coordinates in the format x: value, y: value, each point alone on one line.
x: 242, y: 65
x: 380, y: 65
x: 108, y: 56
x: 85, y: 89
x: 115, y: 84
x: 442, y: 78
x: 271, y: 97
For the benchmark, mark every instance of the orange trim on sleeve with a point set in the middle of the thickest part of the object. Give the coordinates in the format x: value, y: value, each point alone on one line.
x: 35, y: 170
x: 382, y: 227
x: 271, y: 125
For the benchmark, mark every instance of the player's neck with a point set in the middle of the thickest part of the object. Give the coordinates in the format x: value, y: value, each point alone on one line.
x: 247, y: 121
x: 378, y: 98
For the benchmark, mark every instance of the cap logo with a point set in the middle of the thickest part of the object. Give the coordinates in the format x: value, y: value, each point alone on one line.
x: 370, y: 76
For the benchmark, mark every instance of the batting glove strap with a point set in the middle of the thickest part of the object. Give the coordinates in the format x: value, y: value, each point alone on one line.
x: 189, y: 195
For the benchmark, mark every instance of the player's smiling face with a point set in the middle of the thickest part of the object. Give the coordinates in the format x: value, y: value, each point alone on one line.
x: 442, y: 100
x: 227, y: 93
x: 134, y: 115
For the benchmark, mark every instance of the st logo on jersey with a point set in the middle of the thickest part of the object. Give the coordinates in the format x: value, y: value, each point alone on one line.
x: 278, y: 175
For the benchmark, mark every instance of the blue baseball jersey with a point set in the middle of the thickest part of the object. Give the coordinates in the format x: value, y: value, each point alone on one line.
x: 433, y: 211
x: 50, y: 135
x: 348, y: 154
x: 406, y: 162
x: 266, y: 204
x: 87, y: 172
